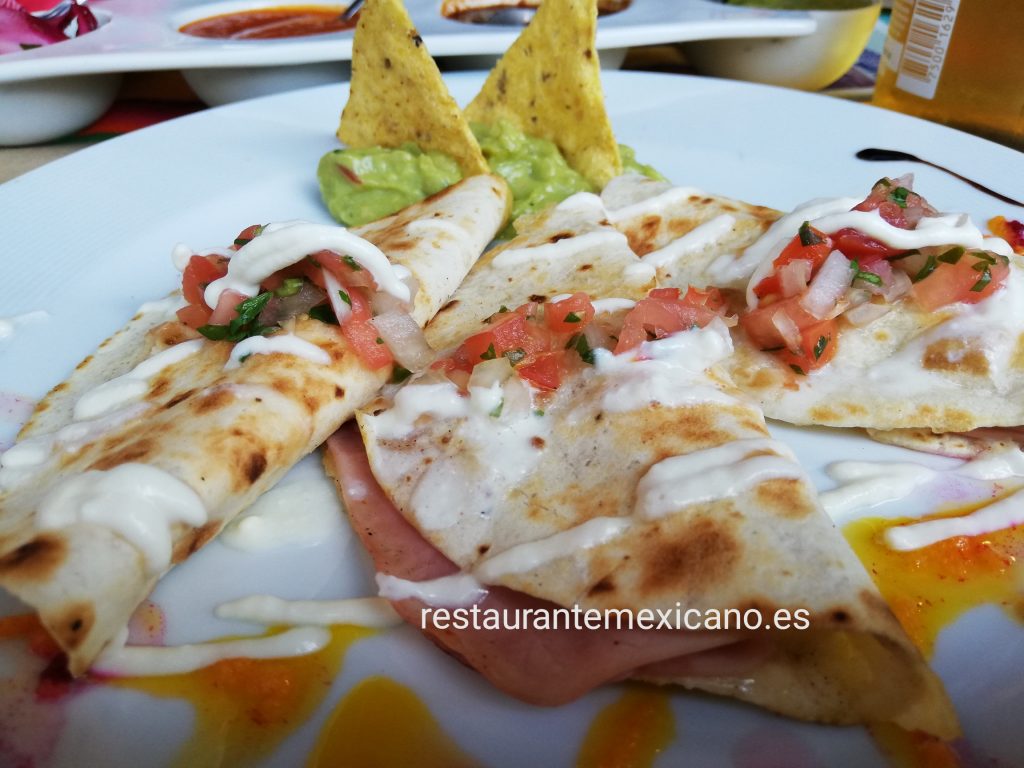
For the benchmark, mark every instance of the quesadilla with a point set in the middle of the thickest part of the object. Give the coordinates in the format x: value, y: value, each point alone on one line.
x: 182, y: 419
x: 575, y: 451
x: 883, y: 313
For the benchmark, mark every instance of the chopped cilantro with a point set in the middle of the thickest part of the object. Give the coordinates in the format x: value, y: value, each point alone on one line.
x: 289, y: 287
x: 952, y: 256
x: 496, y: 410
x: 243, y: 326
x: 399, y: 374
x: 809, y: 236
x: 884, y: 182
x: 983, y: 281
x: 538, y: 412
x: 379, y: 340
x: 798, y: 370
x: 516, y: 356
x: 859, y: 274
x: 490, y: 354
x: 819, y: 348
x: 245, y: 357
x: 352, y: 263
x: 345, y: 297
x: 582, y: 346
x: 927, y: 269
x: 324, y: 314
x: 502, y: 309
x: 572, y: 317
x: 899, y: 196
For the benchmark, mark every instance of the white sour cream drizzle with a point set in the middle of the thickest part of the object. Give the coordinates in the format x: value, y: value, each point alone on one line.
x: 656, y: 204
x: 283, y: 244
x: 607, y: 306
x: 669, y: 371
x: 459, y: 589
x: 697, y: 239
x: 1005, y: 513
x: 563, y: 249
x: 278, y: 344
x: 166, y: 307
x: 299, y: 512
x: 181, y: 254
x: 8, y: 324
x: 728, y: 268
x: 722, y: 472
x: 863, y: 484
x: 373, y: 612
x: 138, y: 502
x: 639, y: 273
x: 120, y: 660
x: 133, y: 385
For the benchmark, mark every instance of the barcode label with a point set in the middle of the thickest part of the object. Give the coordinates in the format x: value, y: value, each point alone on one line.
x: 924, y: 51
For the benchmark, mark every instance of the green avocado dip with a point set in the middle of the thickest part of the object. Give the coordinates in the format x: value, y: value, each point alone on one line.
x: 363, y: 185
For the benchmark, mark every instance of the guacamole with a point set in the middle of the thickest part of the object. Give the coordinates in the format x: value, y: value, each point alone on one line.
x: 363, y: 185
x: 535, y: 170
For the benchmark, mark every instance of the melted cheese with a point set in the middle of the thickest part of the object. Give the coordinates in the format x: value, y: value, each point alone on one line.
x: 138, y: 502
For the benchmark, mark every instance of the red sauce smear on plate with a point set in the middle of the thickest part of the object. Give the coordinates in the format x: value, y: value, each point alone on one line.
x: 272, y: 23
x: 929, y: 588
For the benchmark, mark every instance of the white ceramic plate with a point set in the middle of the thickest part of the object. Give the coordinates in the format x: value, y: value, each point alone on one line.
x: 87, y: 238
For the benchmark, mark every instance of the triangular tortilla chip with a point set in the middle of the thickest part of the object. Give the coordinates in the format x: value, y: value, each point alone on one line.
x: 548, y: 84
x: 397, y: 94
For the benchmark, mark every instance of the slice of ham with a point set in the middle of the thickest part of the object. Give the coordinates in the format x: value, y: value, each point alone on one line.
x: 546, y: 667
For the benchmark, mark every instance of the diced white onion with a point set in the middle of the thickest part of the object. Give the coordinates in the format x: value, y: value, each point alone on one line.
x: 827, y: 286
x: 518, y: 400
x: 787, y: 329
x: 490, y: 372
x: 794, y: 277
x: 899, y: 286
x: 405, y: 339
x: 342, y: 308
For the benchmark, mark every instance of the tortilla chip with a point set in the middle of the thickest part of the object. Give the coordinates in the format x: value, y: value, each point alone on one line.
x: 397, y: 94
x: 548, y: 84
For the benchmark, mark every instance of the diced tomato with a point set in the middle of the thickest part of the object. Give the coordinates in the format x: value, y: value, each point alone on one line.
x: 247, y: 234
x: 225, y: 312
x: 710, y: 298
x: 200, y: 272
x: 345, y: 269
x: 818, y: 344
x: 367, y: 343
x: 511, y: 332
x: 963, y: 281
x: 856, y: 245
x: 546, y: 370
x: 758, y: 325
x: 360, y: 304
x: 570, y: 315
x: 195, y: 315
x: 663, y: 312
x: 815, y: 253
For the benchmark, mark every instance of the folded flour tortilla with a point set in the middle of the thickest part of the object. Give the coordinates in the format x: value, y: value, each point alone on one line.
x: 644, y: 481
x: 110, y: 503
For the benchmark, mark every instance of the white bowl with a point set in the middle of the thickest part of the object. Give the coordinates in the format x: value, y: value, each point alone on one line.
x: 48, y: 107
x: 809, y: 63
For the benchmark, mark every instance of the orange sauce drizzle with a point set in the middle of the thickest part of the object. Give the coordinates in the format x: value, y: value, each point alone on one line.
x: 383, y: 724
x: 630, y: 732
x: 246, y: 707
x: 272, y: 23
x: 929, y: 588
x: 912, y: 749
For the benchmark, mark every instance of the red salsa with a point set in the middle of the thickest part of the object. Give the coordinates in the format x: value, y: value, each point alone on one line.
x: 271, y: 23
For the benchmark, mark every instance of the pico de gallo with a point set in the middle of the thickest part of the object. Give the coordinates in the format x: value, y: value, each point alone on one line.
x: 544, y: 341
x: 326, y: 286
x: 821, y: 279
